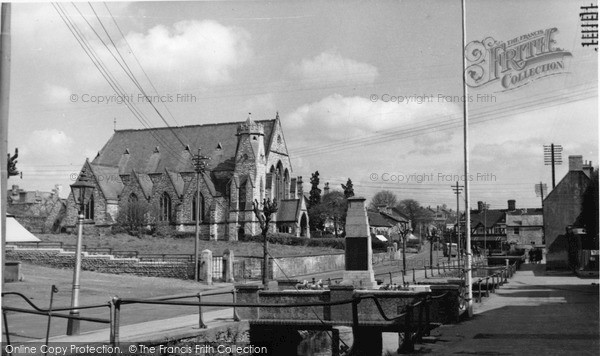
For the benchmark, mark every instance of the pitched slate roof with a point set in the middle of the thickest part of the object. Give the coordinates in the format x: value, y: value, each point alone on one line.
x: 109, y: 180
x: 488, y: 219
x: 145, y: 183
x: 394, y: 214
x: 288, y: 210
x: 154, y: 150
x: 376, y: 219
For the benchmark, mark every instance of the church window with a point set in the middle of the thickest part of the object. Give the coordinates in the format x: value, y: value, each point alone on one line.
x: 242, y: 196
x: 88, y: 209
x: 165, y: 207
x: 194, y: 205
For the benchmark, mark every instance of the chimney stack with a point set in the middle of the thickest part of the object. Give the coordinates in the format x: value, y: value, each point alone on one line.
x: 300, y: 190
x: 512, y: 205
x: 576, y: 163
x: 480, y: 206
x: 588, y: 169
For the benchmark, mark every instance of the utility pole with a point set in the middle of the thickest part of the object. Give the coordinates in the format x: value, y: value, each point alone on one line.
x: 199, y: 167
x: 539, y: 190
x: 485, y: 209
x: 457, y: 189
x: 552, y: 157
x: 4, y: 101
x: 469, y: 275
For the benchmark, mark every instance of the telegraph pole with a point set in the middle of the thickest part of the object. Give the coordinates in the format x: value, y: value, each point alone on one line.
x: 552, y: 157
x: 468, y: 278
x: 485, y: 209
x: 199, y: 166
x: 457, y: 189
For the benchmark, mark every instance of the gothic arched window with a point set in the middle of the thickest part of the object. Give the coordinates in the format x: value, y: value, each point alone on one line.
x: 194, y: 205
x: 165, y: 207
x: 242, y: 196
x: 88, y: 209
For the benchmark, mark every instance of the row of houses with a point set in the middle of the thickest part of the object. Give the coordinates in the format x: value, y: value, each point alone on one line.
x: 547, y: 227
x: 502, y: 229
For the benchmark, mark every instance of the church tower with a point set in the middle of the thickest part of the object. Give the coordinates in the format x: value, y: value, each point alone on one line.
x: 247, y: 183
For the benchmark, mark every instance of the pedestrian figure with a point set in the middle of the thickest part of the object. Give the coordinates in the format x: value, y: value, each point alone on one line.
x: 531, y: 256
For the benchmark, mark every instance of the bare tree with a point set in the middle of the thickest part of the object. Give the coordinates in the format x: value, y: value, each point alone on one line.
x: 264, y: 219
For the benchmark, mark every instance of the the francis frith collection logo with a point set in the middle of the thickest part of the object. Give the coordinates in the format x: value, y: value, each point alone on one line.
x: 514, y: 63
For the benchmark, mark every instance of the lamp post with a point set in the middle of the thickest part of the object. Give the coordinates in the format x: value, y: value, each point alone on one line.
x: 82, y: 190
x: 200, y: 167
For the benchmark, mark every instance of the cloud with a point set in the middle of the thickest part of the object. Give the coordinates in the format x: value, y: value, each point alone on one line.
x: 338, y: 118
x: 264, y: 102
x: 192, y: 52
x: 51, y: 145
x: 56, y: 94
x: 330, y: 67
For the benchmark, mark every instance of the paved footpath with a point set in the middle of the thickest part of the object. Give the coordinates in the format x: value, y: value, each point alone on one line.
x: 536, y: 313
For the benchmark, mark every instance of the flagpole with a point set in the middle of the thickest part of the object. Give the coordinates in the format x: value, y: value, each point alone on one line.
x: 469, y: 280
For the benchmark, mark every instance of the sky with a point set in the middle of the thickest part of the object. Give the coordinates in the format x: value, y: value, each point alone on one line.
x: 369, y: 91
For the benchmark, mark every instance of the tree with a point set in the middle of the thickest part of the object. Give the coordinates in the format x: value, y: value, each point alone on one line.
x: 411, y: 208
x: 384, y: 197
x: 334, y: 206
x: 264, y: 219
x: 348, y: 189
x: 314, y: 197
x: 135, y: 215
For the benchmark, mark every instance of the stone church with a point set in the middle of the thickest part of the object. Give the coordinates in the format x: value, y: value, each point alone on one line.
x: 248, y: 160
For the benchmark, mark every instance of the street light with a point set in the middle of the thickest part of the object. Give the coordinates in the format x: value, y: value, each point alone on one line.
x: 82, y: 189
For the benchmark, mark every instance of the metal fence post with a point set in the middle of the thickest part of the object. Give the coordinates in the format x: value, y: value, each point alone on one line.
x: 111, y: 317
x: 52, y: 291
x: 335, y: 342
x: 201, y: 324
x: 414, y: 279
x: 117, y: 318
x: 6, y: 330
x: 425, y: 272
x: 408, y: 345
x: 403, y: 282
x: 236, y: 317
x: 427, y: 315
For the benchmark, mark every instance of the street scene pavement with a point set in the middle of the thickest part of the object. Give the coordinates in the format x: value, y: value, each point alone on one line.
x: 535, y: 313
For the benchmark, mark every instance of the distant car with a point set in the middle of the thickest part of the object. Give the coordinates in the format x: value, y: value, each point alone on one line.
x: 453, y: 250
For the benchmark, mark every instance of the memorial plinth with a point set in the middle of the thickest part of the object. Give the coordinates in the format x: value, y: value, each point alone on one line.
x: 359, y: 253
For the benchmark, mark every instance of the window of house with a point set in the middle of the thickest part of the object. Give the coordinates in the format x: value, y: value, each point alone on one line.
x: 516, y: 231
x: 165, y: 207
x: 194, y: 205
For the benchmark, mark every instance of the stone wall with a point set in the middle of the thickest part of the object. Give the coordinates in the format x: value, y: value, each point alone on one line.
x: 58, y: 258
x: 244, y: 267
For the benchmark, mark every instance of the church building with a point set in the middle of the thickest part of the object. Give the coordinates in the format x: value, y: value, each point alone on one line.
x: 247, y: 161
